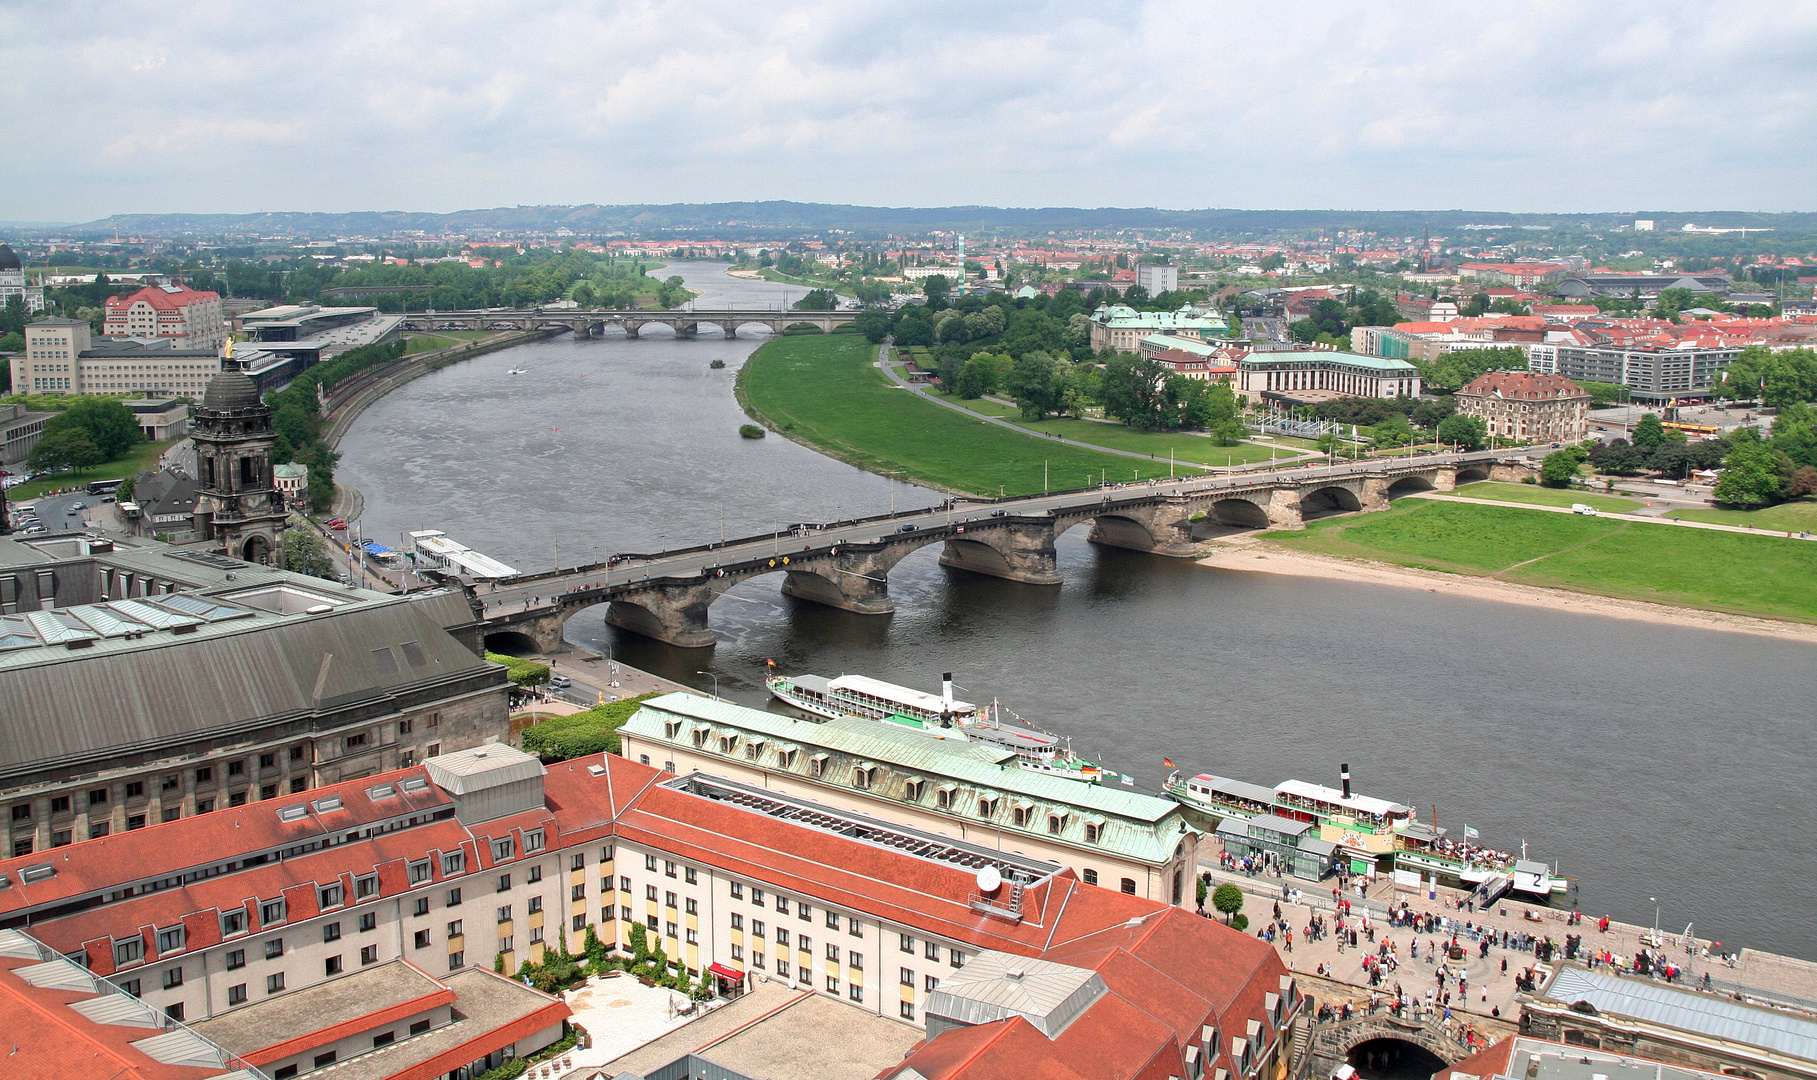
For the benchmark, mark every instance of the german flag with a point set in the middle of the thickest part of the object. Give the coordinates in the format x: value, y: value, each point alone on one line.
x: 1167, y: 761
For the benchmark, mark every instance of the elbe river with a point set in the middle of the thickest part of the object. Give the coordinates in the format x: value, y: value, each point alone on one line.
x: 1644, y: 760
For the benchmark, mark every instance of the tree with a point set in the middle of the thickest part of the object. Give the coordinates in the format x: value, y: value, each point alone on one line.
x: 64, y: 448
x: 818, y: 300
x: 936, y: 288
x: 1038, y: 385
x: 1134, y: 391
x: 304, y: 553
x: 1649, y: 433
x: 1751, y: 476
x: 1559, y: 469
x: 1228, y: 899
x: 1199, y: 890
x: 109, y: 425
x: 1463, y: 431
x: 1391, y: 432
x: 874, y: 324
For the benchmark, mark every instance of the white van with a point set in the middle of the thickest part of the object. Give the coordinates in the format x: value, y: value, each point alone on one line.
x: 1583, y: 508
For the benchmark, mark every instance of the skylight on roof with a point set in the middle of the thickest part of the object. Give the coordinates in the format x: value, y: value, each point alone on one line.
x: 201, y: 607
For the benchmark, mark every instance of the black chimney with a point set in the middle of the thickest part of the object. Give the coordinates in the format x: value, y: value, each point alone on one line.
x: 1344, y: 771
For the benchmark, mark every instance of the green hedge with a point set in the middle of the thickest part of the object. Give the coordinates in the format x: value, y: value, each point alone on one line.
x: 592, y: 732
x: 520, y: 671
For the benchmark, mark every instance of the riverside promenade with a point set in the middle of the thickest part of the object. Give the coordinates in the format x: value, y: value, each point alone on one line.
x: 1765, y: 978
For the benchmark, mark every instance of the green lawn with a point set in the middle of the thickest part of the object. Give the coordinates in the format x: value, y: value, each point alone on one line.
x: 1799, y: 516
x: 823, y: 390
x: 1159, y: 443
x: 986, y: 406
x: 1543, y: 496
x: 143, y: 456
x: 1753, y: 575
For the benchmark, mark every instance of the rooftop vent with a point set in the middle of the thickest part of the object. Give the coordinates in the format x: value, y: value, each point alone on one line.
x: 293, y: 813
x: 39, y: 872
x: 332, y: 802
x: 383, y: 791
x: 412, y: 783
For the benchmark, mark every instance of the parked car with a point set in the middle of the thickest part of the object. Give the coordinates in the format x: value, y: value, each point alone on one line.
x: 560, y: 682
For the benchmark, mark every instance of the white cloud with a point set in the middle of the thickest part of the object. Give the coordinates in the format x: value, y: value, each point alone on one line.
x: 236, y: 106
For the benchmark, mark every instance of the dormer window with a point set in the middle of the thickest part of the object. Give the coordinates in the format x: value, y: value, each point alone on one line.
x: 753, y: 750
x: 817, y: 765
x: 700, y: 737
x: 986, y: 807
x: 943, y: 796
x: 1020, y: 816
x: 914, y: 789
x: 671, y: 728
x: 863, y: 775
x: 1094, y: 830
x: 728, y: 743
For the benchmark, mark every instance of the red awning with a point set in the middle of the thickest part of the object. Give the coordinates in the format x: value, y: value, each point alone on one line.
x: 726, y: 973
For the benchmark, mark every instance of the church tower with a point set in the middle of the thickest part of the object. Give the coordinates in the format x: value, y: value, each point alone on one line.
x: 238, y: 503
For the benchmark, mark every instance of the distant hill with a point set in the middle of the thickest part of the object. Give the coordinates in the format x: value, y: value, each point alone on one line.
x: 761, y: 218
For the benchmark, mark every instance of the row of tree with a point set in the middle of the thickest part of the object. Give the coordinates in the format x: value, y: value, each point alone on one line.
x: 297, y: 420
x: 91, y: 431
x: 1775, y: 379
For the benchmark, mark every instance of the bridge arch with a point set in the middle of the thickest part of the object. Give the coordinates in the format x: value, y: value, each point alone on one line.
x: 1394, y: 1058
x: 1407, y: 485
x: 1238, y: 512
x: 1472, y: 471
x: 511, y: 643
x: 1329, y: 500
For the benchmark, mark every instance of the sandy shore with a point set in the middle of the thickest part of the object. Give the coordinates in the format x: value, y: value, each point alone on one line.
x: 753, y: 274
x: 1253, y: 556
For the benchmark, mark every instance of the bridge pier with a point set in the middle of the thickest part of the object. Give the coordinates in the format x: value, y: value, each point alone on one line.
x: 671, y: 612
x: 1016, y: 551
x: 685, y: 330
x: 1444, y: 479
x: 1374, y: 495
x: 1284, y: 510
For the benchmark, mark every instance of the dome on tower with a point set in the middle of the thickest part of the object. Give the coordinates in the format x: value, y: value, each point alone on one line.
x: 9, y: 260
x: 231, y: 389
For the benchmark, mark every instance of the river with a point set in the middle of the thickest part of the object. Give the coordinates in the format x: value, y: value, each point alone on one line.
x: 1646, y: 760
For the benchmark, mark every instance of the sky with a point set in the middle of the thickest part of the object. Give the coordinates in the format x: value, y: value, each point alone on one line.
x: 220, y: 106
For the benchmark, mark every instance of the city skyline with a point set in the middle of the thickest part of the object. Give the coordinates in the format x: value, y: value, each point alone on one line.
x: 1535, y: 108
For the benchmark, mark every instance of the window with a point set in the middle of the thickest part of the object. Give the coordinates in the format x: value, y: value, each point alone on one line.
x: 175, y: 1012
x: 579, y: 892
x: 855, y: 991
x: 274, y: 983
x: 324, y: 1058
x: 236, y: 959
x: 955, y: 958
x: 332, y: 966
x: 943, y: 798
x: 454, y: 928
x: 737, y: 921
x: 22, y: 846
x: 368, y: 922
x: 854, y: 927
x: 805, y: 944
x: 668, y: 899
x: 236, y: 994
x: 352, y: 741
x: 268, y: 792
x: 578, y: 861
x: 802, y: 910
x: 913, y: 789
x: 738, y: 890
x: 296, y: 753
x: 1055, y: 823
x: 908, y: 944
x: 60, y: 838
x: 1091, y: 877
x: 131, y: 986
x: 668, y: 869
x: 421, y: 907
x: 128, y: 952
x: 832, y: 985
x: 832, y: 920
x: 861, y: 777
x: 434, y: 749
x: 204, y: 776
x: 536, y: 874
x: 782, y: 969
x: 1092, y: 831
x: 533, y: 841
x: 369, y: 954
x: 366, y: 887
x: 608, y: 914
x: 669, y: 930
x: 274, y: 948
x: 650, y: 893
x: 907, y: 1009
x: 236, y: 768
x: 605, y: 853
x: 929, y: 984
x: 504, y: 883
x: 419, y: 872
x: 384, y: 1039
x: 1129, y: 886
x: 168, y: 783
x: 693, y: 906
x: 331, y: 932
x: 135, y: 789
x: 817, y: 765
x: 299, y: 784
x: 908, y: 976
x: 987, y: 807
x: 782, y: 937
x: 757, y: 960
x: 855, y: 959
x: 536, y: 933
x: 419, y: 1027
x: 268, y: 761
x: 421, y: 940
x: 454, y: 898
x: 285, y: 1073
x: 504, y: 913
x: 455, y: 862
x: 534, y: 905
x: 693, y: 937
x: 59, y: 804
x: 757, y: 928
x: 405, y: 727
x: 688, y: 874
x: 503, y: 849
x: 756, y: 896
x: 832, y: 952
x: 738, y: 953
x: 271, y: 911
x: 22, y: 811
x: 650, y: 863
x: 332, y: 895
x: 933, y: 951
x: 1019, y: 815
x: 97, y: 830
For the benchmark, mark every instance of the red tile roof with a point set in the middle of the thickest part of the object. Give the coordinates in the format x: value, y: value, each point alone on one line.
x: 1522, y: 386
x: 161, y: 298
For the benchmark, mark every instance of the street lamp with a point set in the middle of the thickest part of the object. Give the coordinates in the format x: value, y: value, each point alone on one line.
x: 715, y: 679
x: 1655, y: 900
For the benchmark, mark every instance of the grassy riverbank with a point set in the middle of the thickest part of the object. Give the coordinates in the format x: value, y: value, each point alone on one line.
x: 1732, y: 572
x: 1533, y: 495
x: 825, y: 391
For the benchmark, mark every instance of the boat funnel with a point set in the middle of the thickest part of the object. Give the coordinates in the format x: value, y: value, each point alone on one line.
x: 946, y: 699
x: 1344, y: 773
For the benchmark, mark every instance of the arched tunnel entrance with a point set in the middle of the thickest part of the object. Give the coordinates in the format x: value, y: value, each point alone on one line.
x: 1394, y: 1059
x: 512, y: 643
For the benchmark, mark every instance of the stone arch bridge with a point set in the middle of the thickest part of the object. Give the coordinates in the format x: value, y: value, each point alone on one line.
x: 1330, y: 1044
x: 846, y: 565
x: 685, y: 323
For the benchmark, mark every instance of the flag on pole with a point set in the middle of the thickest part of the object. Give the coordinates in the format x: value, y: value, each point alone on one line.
x: 1167, y: 761
x: 1129, y: 781
x: 1470, y: 834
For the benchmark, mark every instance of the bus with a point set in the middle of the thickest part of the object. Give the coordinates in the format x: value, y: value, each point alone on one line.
x: 1689, y: 429
x: 104, y: 487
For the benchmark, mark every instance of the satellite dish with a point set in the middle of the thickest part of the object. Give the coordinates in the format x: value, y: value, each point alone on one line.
x: 989, y: 880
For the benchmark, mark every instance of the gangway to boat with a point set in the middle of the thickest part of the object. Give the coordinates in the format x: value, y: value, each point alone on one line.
x: 1493, y: 887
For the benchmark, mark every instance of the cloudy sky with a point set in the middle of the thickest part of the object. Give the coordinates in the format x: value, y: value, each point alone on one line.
x: 224, y: 106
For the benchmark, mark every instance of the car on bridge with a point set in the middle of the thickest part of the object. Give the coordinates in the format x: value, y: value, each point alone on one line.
x: 907, y: 528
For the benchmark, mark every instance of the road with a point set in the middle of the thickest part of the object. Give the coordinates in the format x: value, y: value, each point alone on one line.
x: 510, y: 596
x: 59, y: 513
